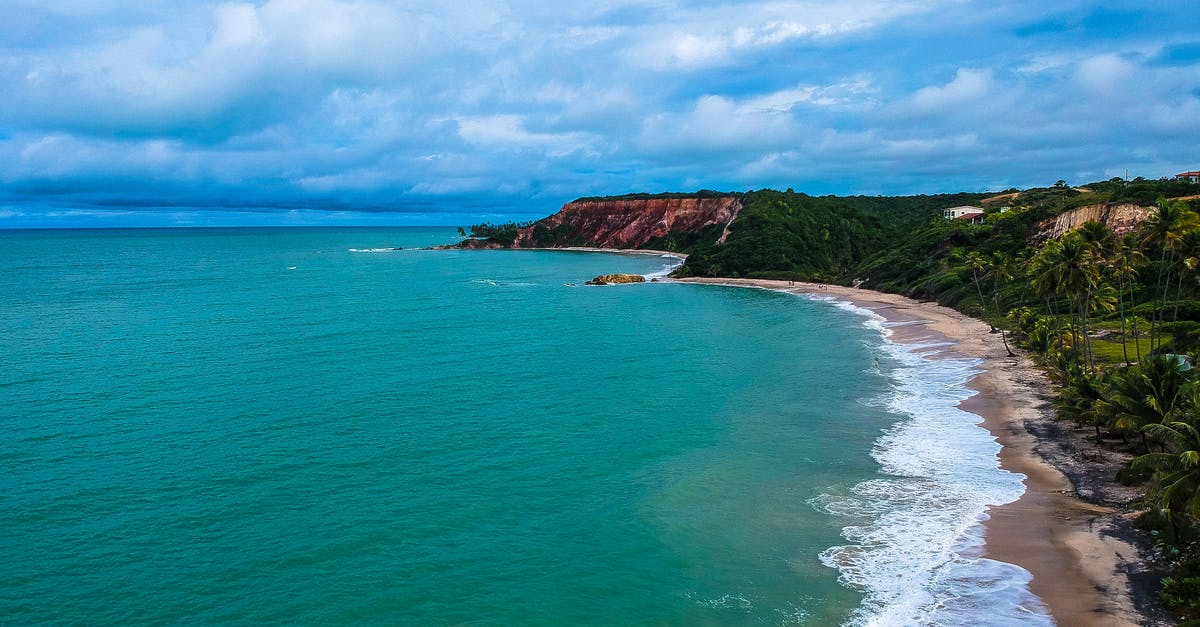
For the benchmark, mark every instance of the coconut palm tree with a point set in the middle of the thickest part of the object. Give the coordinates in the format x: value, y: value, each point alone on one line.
x: 1044, y: 269
x: 1175, y: 488
x: 979, y: 267
x: 1078, y: 276
x: 1188, y: 252
x: 1144, y: 394
x: 1125, y: 261
x: 1001, y: 272
x: 1164, y: 230
x: 1099, y: 238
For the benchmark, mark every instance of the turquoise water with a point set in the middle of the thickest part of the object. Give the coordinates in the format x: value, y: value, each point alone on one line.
x: 257, y: 425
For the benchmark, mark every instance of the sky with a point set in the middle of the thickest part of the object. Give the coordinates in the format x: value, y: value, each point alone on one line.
x: 381, y: 112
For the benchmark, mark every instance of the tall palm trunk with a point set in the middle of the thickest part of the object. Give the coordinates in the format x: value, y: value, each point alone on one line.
x: 1003, y: 335
x: 1162, y: 312
x: 1156, y: 312
x: 1121, y: 309
x: 1178, y: 293
x: 1084, y: 305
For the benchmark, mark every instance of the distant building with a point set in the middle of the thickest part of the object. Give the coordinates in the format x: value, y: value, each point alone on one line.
x: 1191, y: 177
x: 966, y: 212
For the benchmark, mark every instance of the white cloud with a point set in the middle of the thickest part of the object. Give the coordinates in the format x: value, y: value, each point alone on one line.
x: 284, y: 50
x: 510, y: 131
x: 849, y: 92
x: 716, y: 123
x: 698, y: 38
x: 1104, y: 75
x: 968, y: 86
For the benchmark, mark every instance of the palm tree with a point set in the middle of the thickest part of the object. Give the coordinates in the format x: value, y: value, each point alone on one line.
x: 979, y: 267
x: 1144, y: 394
x: 1001, y: 272
x: 1175, y: 487
x: 1080, y: 399
x: 1044, y: 269
x: 1078, y: 277
x: 1188, y: 250
x: 1125, y: 260
x: 1164, y: 229
x: 1099, y: 238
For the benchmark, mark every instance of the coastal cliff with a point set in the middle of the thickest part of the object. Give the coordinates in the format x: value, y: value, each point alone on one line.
x: 628, y: 223
x: 1121, y: 218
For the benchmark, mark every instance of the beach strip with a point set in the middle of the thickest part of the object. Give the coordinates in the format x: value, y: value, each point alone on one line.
x: 1078, y: 571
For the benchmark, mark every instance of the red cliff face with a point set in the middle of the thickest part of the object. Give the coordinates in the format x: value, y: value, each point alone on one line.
x: 632, y: 223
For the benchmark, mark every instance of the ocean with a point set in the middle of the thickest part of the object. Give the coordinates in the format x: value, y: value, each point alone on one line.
x: 308, y: 425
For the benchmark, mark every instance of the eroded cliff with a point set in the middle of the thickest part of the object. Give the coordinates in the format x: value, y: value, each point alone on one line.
x: 1122, y: 218
x: 628, y: 223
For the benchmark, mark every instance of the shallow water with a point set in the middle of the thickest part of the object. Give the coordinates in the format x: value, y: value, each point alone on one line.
x: 301, y: 425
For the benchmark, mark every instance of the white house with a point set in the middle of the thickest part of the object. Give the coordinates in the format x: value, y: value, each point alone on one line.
x: 1191, y: 177
x: 965, y: 212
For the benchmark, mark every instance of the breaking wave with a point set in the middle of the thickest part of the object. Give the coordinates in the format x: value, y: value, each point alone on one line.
x: 914, y: 535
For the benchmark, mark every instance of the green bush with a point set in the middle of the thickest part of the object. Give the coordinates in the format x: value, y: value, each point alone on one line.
x: 1181, y: 592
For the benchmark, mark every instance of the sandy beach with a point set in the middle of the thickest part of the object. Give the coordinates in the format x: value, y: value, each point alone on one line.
x: 1083, y: 572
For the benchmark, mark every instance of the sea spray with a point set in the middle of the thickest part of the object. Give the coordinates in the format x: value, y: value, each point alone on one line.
x: 915, y: 539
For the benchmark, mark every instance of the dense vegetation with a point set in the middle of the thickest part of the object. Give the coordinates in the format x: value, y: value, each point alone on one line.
x: 704, y: 193
x: 1115, y: 321
x: 784, y: 234
x: 792, y: 235
x: 503, y: 233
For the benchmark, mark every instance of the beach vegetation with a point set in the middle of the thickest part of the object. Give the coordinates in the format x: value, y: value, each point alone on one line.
x: 1181, y: 592
x: 504, y: 233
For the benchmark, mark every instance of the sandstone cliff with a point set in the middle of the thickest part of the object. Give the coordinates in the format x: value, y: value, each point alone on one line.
x: 1122, y: 218
x: 629, y: 223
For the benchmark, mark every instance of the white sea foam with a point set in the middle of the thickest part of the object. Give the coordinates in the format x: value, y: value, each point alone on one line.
x: 667, y: 268
x: 495, y: 283
x: 915, y: 534
x: 373, y: 250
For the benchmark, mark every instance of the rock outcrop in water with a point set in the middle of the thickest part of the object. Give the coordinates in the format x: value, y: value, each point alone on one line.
x: 628, y: 223
x: 1122, y: 218
x: 610, y: 279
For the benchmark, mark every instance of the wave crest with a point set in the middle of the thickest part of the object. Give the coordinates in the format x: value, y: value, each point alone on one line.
x: 915, y: 535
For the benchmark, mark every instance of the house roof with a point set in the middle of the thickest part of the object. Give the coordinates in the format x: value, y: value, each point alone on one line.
x: 969, y: 216
x: 1183, y: 174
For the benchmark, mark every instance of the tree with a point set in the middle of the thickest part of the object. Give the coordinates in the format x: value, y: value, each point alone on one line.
x: 1144, y: 394
x: 1175, y: 488
x: 1164, y: 229
x: 1125, y: 261
x: 979, y: 267
x: 1001, y: 273
x: 1065, y: 267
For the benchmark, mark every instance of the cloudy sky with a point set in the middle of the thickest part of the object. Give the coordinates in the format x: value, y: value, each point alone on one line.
x: 165, y: 112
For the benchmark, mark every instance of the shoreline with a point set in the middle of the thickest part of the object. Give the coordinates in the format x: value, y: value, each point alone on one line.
x: 1082, y: 571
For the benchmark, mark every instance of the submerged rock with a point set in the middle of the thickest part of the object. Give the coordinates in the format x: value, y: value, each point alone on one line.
x: 609, y: 279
